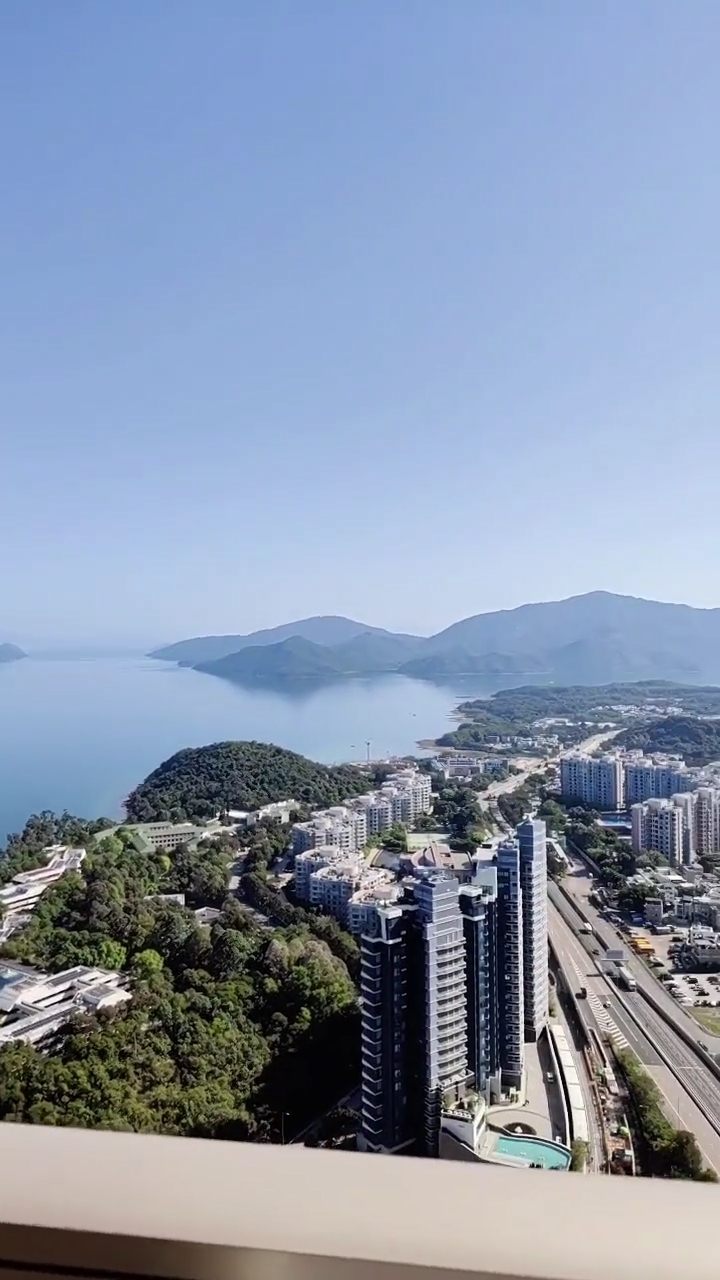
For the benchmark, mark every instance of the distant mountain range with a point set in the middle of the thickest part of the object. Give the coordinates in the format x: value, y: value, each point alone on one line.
x: 11, y: 653
x: 589, y: 639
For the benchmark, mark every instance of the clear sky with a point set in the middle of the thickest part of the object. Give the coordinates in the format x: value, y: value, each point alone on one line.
x: 404, y: 309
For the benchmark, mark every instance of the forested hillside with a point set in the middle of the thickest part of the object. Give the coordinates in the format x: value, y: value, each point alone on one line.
x: 229, y: 1027
x: 200, y: 781
x: 697, y: 741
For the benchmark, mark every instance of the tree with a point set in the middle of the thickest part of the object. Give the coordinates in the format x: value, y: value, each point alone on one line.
x: 147, y: 963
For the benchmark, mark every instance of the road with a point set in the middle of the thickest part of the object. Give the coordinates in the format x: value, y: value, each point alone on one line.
x: 685, y: 1099
x: 579, y: 884
x: 528, y: 765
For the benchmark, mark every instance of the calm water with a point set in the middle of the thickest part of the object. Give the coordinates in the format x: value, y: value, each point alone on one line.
x: 79, y: 735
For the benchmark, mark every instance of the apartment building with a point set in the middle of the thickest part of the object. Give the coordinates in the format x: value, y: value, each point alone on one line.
x: 532, y: 841
x: 707, y: 820
x: 478, y: 905
x: 310, y: 861
x: 648, y: 779
x: 445, y: 1015
x: 342, y: 827
x: 404, y: 796
x: 599, y: 783
x: 510, y: 965
x: 686, y: 802
x: 414, y: 1017
x: 658, y: 825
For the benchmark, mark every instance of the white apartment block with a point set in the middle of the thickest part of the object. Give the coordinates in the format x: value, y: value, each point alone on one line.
x: 310, y: 861
x: 332, y: 887
x: 340, y: 826
x: 532, y: 840
x: 686, y: 802
x: 707, y: 820
x: 647, y: 779
x: 402, y: 798
x: 598, y: 783
x: 658, y: 825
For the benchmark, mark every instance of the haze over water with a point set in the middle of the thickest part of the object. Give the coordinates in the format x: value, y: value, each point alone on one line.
x: 79, y: 734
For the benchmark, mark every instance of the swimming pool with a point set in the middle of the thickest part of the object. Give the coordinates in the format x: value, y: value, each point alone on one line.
x: 549, y: 1155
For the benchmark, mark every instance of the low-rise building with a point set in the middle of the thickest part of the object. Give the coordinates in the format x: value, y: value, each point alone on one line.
x: 34, y: 1005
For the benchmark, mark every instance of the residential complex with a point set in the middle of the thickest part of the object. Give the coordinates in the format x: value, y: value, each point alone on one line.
x: 686, y: 826
x: 648, y: 779
x: 618, y: 781
x: 659, y: 825
x: 445, y: 986
x: 598, y: 783
x: 401, y: 799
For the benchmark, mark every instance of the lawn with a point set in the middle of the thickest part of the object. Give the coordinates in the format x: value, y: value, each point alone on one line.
x: 708, y: 1018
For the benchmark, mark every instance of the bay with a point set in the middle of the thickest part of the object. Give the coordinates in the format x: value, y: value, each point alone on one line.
x: 80, y: 734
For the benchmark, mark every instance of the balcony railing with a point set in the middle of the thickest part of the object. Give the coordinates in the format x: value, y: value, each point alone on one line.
x: 82, y: 1204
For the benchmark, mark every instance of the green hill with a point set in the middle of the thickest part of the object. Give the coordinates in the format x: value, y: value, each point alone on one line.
x: 200, y: 781
x: 697, y: 741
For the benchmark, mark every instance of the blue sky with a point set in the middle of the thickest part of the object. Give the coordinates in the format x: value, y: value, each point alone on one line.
x: 402, y: 309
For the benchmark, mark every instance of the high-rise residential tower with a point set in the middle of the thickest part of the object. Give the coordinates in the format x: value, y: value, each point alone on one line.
x: 414, y: 1016
x: 478, y: 904
x: 532, y: 841
x: 510, y: 968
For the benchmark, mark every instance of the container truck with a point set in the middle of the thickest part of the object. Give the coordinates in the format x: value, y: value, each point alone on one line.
x: 624, y: 978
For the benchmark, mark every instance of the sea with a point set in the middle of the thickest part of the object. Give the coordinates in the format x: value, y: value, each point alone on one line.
x: 80, y: 733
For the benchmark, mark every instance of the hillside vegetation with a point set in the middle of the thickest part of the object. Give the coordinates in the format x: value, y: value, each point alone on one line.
x: 230, y: 1027
x: 200, y: 781
x: 513, y: 711
x: 698, y: 741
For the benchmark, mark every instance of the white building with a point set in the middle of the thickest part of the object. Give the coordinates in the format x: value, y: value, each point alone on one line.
x: 658, y: 825
x: 310, y: 861
x: 707, y: 820
x: 599, y: 783
x: 34, y: 1004
x: 510, y: 966
x: 402, y: 798
x: 686, y: 802
x: 22, y: 894
x: 532, y: 839
x: 646, y: 779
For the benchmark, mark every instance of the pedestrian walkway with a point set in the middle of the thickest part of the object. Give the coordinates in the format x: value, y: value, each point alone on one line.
x: 606, y: 1022
x: 604, y: 1019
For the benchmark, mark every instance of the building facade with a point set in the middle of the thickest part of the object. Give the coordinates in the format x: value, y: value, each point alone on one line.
x: 597, y: 783
x: 707, y: 820
x: 478, y: 904
x: 532, y: 841
x: 658, y: 825
x: 510, y: 965
x: 647, y: 780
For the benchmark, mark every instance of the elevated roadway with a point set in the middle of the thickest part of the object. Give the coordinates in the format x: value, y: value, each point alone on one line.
x: 690, y: 1093
x: 579, y: 885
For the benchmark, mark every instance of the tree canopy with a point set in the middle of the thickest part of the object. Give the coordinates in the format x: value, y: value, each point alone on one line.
x: 200, y: 781
x: 229, y: 1026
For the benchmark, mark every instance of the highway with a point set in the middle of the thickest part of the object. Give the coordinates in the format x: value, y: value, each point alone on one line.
x: 686, y: 1099
x: 579, y: 884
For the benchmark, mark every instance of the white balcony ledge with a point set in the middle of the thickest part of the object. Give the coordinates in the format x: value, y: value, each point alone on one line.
x: 77, y: 1203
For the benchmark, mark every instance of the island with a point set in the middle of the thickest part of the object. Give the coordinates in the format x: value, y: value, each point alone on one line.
x: 11, y: 653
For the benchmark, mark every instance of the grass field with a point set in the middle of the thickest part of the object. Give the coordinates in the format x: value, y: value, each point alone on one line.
x: 708, y: 1018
